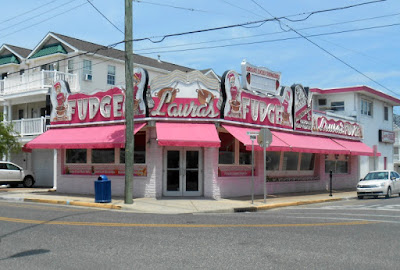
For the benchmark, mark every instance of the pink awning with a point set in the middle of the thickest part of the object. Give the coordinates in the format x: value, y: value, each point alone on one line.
x: 187, y: 134
x: 240, y: 133
x: 357, y: 148
x: 82, y: 138
x: 310, y: 143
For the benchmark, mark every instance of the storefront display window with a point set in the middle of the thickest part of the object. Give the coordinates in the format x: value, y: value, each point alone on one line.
x: 103, y: 155
x: 307, y: 162
x: 336, y: 165
x: 139, y: 150
x: 290, y: 161
x: 227, y: 149
x: 76, y: 155
x: 273, y: 160
x: 244, y: 155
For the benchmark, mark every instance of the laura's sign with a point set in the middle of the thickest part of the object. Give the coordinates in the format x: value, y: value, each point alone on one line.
x: 324, y: 124
x: 184, y: 95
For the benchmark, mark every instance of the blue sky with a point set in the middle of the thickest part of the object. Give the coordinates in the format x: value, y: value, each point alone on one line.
x: 374, y: 52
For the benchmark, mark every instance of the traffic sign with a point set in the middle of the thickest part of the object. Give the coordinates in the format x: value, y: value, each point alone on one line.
x: 264, y: 138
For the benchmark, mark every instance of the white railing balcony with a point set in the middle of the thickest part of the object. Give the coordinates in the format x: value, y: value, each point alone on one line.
x: 30, y: 126
x: 37, y: 80
x: 1, y: 87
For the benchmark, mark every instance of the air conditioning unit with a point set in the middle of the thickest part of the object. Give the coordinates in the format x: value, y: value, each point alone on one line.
x: 322, y: 102
x: 88, y: 77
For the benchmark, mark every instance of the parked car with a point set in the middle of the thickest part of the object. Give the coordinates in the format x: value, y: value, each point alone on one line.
x: 378, y: 183
x: 13, y: 175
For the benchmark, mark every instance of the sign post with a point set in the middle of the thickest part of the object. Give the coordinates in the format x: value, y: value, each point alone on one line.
x: 253, y: 136
x: 264, y: 139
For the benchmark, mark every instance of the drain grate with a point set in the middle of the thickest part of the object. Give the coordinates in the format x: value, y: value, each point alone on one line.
x: 245, y: 209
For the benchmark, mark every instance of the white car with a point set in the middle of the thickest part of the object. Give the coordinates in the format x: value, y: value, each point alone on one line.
x: 378, y: 183
x: 13, y: 175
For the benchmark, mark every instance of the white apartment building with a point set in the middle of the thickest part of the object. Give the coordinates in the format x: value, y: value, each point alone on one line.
x: 28, y: 74
x: 370, y: 108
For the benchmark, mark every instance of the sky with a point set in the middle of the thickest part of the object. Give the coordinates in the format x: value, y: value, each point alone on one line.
x: 315, y: 43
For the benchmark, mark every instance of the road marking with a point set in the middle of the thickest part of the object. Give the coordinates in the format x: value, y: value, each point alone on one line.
x: 105, y: 224
x: 358, y: 219
x: 55, y: 208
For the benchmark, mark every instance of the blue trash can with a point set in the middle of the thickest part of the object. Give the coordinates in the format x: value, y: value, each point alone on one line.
x: 102, y: 190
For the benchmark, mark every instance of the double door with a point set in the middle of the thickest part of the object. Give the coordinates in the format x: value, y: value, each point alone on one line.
x: 183, y: 172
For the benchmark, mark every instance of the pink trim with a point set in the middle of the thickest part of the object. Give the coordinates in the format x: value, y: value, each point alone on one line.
x: 82, y: 138
x: 356, y: 148
x: 356, y: 89
x: 311, y: 144
x: 189, y: 135
x: 240, y: 133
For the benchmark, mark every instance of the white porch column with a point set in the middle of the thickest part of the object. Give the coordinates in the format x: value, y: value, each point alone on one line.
x: 55, y: 169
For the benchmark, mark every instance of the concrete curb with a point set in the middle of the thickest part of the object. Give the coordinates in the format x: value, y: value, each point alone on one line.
x: 76, y: 203
x: 277, y: 205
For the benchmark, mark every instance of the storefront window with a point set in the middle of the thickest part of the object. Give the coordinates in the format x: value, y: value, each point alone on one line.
x: 76, y: 156
x: 307, y: 162
x: 103, y: 155
x: 272, y: 161
x: 336, y: 166
x: 139, y: 155
x: 227, y: 149
x: 244, y: 155
x: 290, y: 161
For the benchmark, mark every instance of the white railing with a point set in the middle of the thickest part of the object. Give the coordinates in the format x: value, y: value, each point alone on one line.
x: 28, y: 127
x: 37, y: 80
x: 1, y: 87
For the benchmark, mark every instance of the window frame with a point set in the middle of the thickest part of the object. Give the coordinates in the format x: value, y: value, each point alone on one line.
x: 111, y: 75
x: 366, y: 107
x: 87, y: 69
x: 236, y: 153
x: 386, y: 113
x: 337, y: 106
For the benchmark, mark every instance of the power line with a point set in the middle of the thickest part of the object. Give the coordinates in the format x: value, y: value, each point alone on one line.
x: 104, y: 16
x: 43, y: 13
x: 47, y: 19
x: 274, y: 40
x: 162, y: 38
x: 26, y: 12
x: 331, y: 54
x: 279, y: 32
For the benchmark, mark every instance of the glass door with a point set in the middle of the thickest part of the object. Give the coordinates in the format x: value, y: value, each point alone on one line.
x: 183, y: 172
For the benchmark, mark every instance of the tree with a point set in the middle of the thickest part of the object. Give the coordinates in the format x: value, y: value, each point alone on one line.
x: 8, y: 141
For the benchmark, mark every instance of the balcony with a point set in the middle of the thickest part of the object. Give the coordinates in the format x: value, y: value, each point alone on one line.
x: 36, y: 80
x: 29, y: 127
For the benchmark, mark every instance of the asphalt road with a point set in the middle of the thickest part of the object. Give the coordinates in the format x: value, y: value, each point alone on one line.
x: 353, y: 234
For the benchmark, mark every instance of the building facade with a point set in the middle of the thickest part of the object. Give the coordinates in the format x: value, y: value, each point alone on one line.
x: 28, y: 74
x: 194, y: 136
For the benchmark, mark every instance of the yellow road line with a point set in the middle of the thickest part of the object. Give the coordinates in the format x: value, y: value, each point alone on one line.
x: 105, y: 224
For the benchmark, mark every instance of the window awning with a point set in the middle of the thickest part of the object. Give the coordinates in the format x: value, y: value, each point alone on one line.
x: 311, y: 144
x: 357, y: 148
x: 240, y: 133
x: 82, y: 138
x: 187, y: 134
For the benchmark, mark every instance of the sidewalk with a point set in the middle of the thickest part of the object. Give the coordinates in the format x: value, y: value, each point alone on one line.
x: 174, y: 205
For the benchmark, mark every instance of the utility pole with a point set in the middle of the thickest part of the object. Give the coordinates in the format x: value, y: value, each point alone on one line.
x: 129, y: 114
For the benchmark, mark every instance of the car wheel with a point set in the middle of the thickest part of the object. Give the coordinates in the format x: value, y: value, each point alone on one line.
x: 28, y: 182
x: 389, y: 193
x: 360, y: 197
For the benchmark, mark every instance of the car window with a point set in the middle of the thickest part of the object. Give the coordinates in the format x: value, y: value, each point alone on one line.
x: 396, y: 174
x: 376, y: 175
x: 392, y: 175
x: 3, y: 166
x: 12, y: 167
